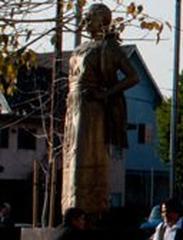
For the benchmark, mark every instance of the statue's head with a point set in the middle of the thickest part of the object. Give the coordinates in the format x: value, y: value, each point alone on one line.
x: 98, y: 18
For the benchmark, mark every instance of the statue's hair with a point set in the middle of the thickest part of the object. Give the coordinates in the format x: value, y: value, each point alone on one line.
x: 103, y: 10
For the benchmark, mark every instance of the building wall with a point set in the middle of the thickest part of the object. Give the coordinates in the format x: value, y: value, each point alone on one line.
x: 139, y: 168
x: 141, y: 102
x: 142, y: 157
x: 18, y: 163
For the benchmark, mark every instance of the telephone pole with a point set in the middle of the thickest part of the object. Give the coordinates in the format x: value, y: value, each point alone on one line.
x: 55, y: 92
x: 79, y: 11
x: 174, y: 104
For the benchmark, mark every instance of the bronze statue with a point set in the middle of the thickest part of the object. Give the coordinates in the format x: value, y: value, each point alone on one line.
x: 96, y: 113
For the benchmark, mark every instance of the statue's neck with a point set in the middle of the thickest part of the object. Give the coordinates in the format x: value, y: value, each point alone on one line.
x: 96, y: 36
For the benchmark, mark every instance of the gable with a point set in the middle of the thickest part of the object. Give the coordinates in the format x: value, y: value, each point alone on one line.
x: 146, y: 80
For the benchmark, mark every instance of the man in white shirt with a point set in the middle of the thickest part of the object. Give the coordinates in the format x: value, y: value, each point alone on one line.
x: 172, y: 226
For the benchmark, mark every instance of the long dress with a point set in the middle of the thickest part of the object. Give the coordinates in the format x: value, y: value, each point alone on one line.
x: 85, y: 149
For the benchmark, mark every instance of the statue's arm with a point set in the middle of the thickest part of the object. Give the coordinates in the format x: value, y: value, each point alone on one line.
x: 122, y: 63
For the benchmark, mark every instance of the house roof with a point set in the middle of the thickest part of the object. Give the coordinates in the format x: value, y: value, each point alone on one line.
x: 130, y: 49
x: 35, y: 83
x: 46, y: 60
x: 13, y: 119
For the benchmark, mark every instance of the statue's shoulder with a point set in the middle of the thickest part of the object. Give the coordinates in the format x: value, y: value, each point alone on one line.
x: 83, y: 47
x: 111, y: 43
x: 112, y: 38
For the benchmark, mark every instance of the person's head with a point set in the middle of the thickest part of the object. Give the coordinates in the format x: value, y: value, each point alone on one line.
x: 170, y: 210
x: 97, y: 19
x: 5, y: 209
x: 75, y: 217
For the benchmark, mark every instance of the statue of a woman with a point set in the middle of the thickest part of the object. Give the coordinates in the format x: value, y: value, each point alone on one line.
x: 96, y: 113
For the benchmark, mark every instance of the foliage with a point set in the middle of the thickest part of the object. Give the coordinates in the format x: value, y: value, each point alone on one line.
x: 14, y: 25
x: 12, y: 54
x: 135, y: 14
x: 163, y: 117
x: 10, y: 62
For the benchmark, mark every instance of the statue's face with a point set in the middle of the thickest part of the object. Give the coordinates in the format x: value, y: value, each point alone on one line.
x: 97, y: 20
x: 93, y: 22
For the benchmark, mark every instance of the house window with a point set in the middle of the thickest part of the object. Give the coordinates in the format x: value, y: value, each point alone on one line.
x: 141, y: 133
x: 4, y: 138
x: 144, y: 133
x: 26, y: 139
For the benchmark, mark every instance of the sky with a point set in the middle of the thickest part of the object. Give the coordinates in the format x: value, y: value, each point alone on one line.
x: 159, y: 58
